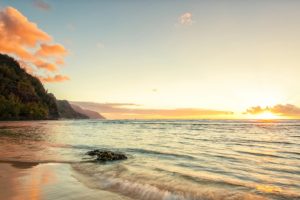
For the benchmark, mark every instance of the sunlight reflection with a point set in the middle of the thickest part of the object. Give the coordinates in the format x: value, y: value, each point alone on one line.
x: 268, y: 189
x: 35, y: 181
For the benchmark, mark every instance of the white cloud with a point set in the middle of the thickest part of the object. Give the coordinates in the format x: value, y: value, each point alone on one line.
x: 186, y: 19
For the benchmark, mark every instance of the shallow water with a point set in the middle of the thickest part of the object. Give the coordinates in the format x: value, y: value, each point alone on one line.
x: 203, y: 159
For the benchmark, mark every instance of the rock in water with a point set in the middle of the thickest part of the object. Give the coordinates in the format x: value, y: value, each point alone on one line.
x: 93, y: 152
x: 106, y: 155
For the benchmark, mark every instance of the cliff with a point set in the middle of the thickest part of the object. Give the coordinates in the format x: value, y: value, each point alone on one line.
x: 23, y: 96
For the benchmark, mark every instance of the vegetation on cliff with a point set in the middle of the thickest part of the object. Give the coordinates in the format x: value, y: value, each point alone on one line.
x: 22, y: 96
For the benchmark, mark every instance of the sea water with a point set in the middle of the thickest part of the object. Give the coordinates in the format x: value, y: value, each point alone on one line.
x: 168, y: 159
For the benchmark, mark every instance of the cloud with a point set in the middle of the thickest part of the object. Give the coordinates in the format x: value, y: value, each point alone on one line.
x: 56, y: 78
x: 255, y: 110
x: 28, y: 68
x: 23, y: 39
x: 15, y: 29
x: 125, y: 110
x: 288, y: 110
x: 51, y: 50
x: 60, y: 61
x: 186, y: 19
x: 45, y: 65
x: 42, y: 5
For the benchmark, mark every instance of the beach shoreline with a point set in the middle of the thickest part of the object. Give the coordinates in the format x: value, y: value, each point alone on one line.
x: 34, y: 181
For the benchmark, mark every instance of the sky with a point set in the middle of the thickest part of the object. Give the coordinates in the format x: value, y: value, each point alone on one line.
x: 211, y: 57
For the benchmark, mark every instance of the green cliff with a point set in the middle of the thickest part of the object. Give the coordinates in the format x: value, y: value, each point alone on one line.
x: 23, y: 96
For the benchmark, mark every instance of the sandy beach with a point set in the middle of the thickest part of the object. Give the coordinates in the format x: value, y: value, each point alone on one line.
x: 33, y: 181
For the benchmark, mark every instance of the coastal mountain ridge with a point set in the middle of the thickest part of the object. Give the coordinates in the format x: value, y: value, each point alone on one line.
x: 23, y: 97
x: 91, y: 114
x: 66, y: 111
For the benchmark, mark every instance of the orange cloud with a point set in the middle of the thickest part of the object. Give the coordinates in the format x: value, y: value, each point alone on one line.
x: 51, y: 50
x: 21, y: 37
x: 56, y: 78
x: 45, y: 65
x: 16, y: 26
x: 288, y: 110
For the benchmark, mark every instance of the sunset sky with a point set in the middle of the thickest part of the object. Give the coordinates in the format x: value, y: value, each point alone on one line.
x: 161, y: 59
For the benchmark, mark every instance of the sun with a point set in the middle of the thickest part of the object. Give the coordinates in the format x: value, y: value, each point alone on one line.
x: 266, y: 115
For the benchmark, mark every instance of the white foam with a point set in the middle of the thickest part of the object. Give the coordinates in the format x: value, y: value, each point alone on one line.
x: 137, y: 190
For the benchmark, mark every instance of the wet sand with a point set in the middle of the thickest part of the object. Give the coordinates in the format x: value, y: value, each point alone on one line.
x: 33, y: 181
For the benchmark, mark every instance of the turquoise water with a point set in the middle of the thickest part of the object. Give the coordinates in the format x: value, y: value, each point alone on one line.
x: 194, y: 159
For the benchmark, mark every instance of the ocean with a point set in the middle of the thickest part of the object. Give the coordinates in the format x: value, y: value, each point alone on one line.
x: 167, y: 159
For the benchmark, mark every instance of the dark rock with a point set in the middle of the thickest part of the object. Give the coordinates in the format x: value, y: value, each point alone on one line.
x: 106, y: 155
x: 93, y: 152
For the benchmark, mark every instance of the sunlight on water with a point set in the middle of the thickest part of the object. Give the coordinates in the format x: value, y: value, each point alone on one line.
x: 269, y: 189
x: 168, y: 159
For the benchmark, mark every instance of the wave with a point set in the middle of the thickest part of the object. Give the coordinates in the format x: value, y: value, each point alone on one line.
x: 242, y: 142
x: 260, y: 154
x: 290, y: 152
x: 289, y: 171
x: 138, y: 188
x: 160, y: 153
x: 140, y: 184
